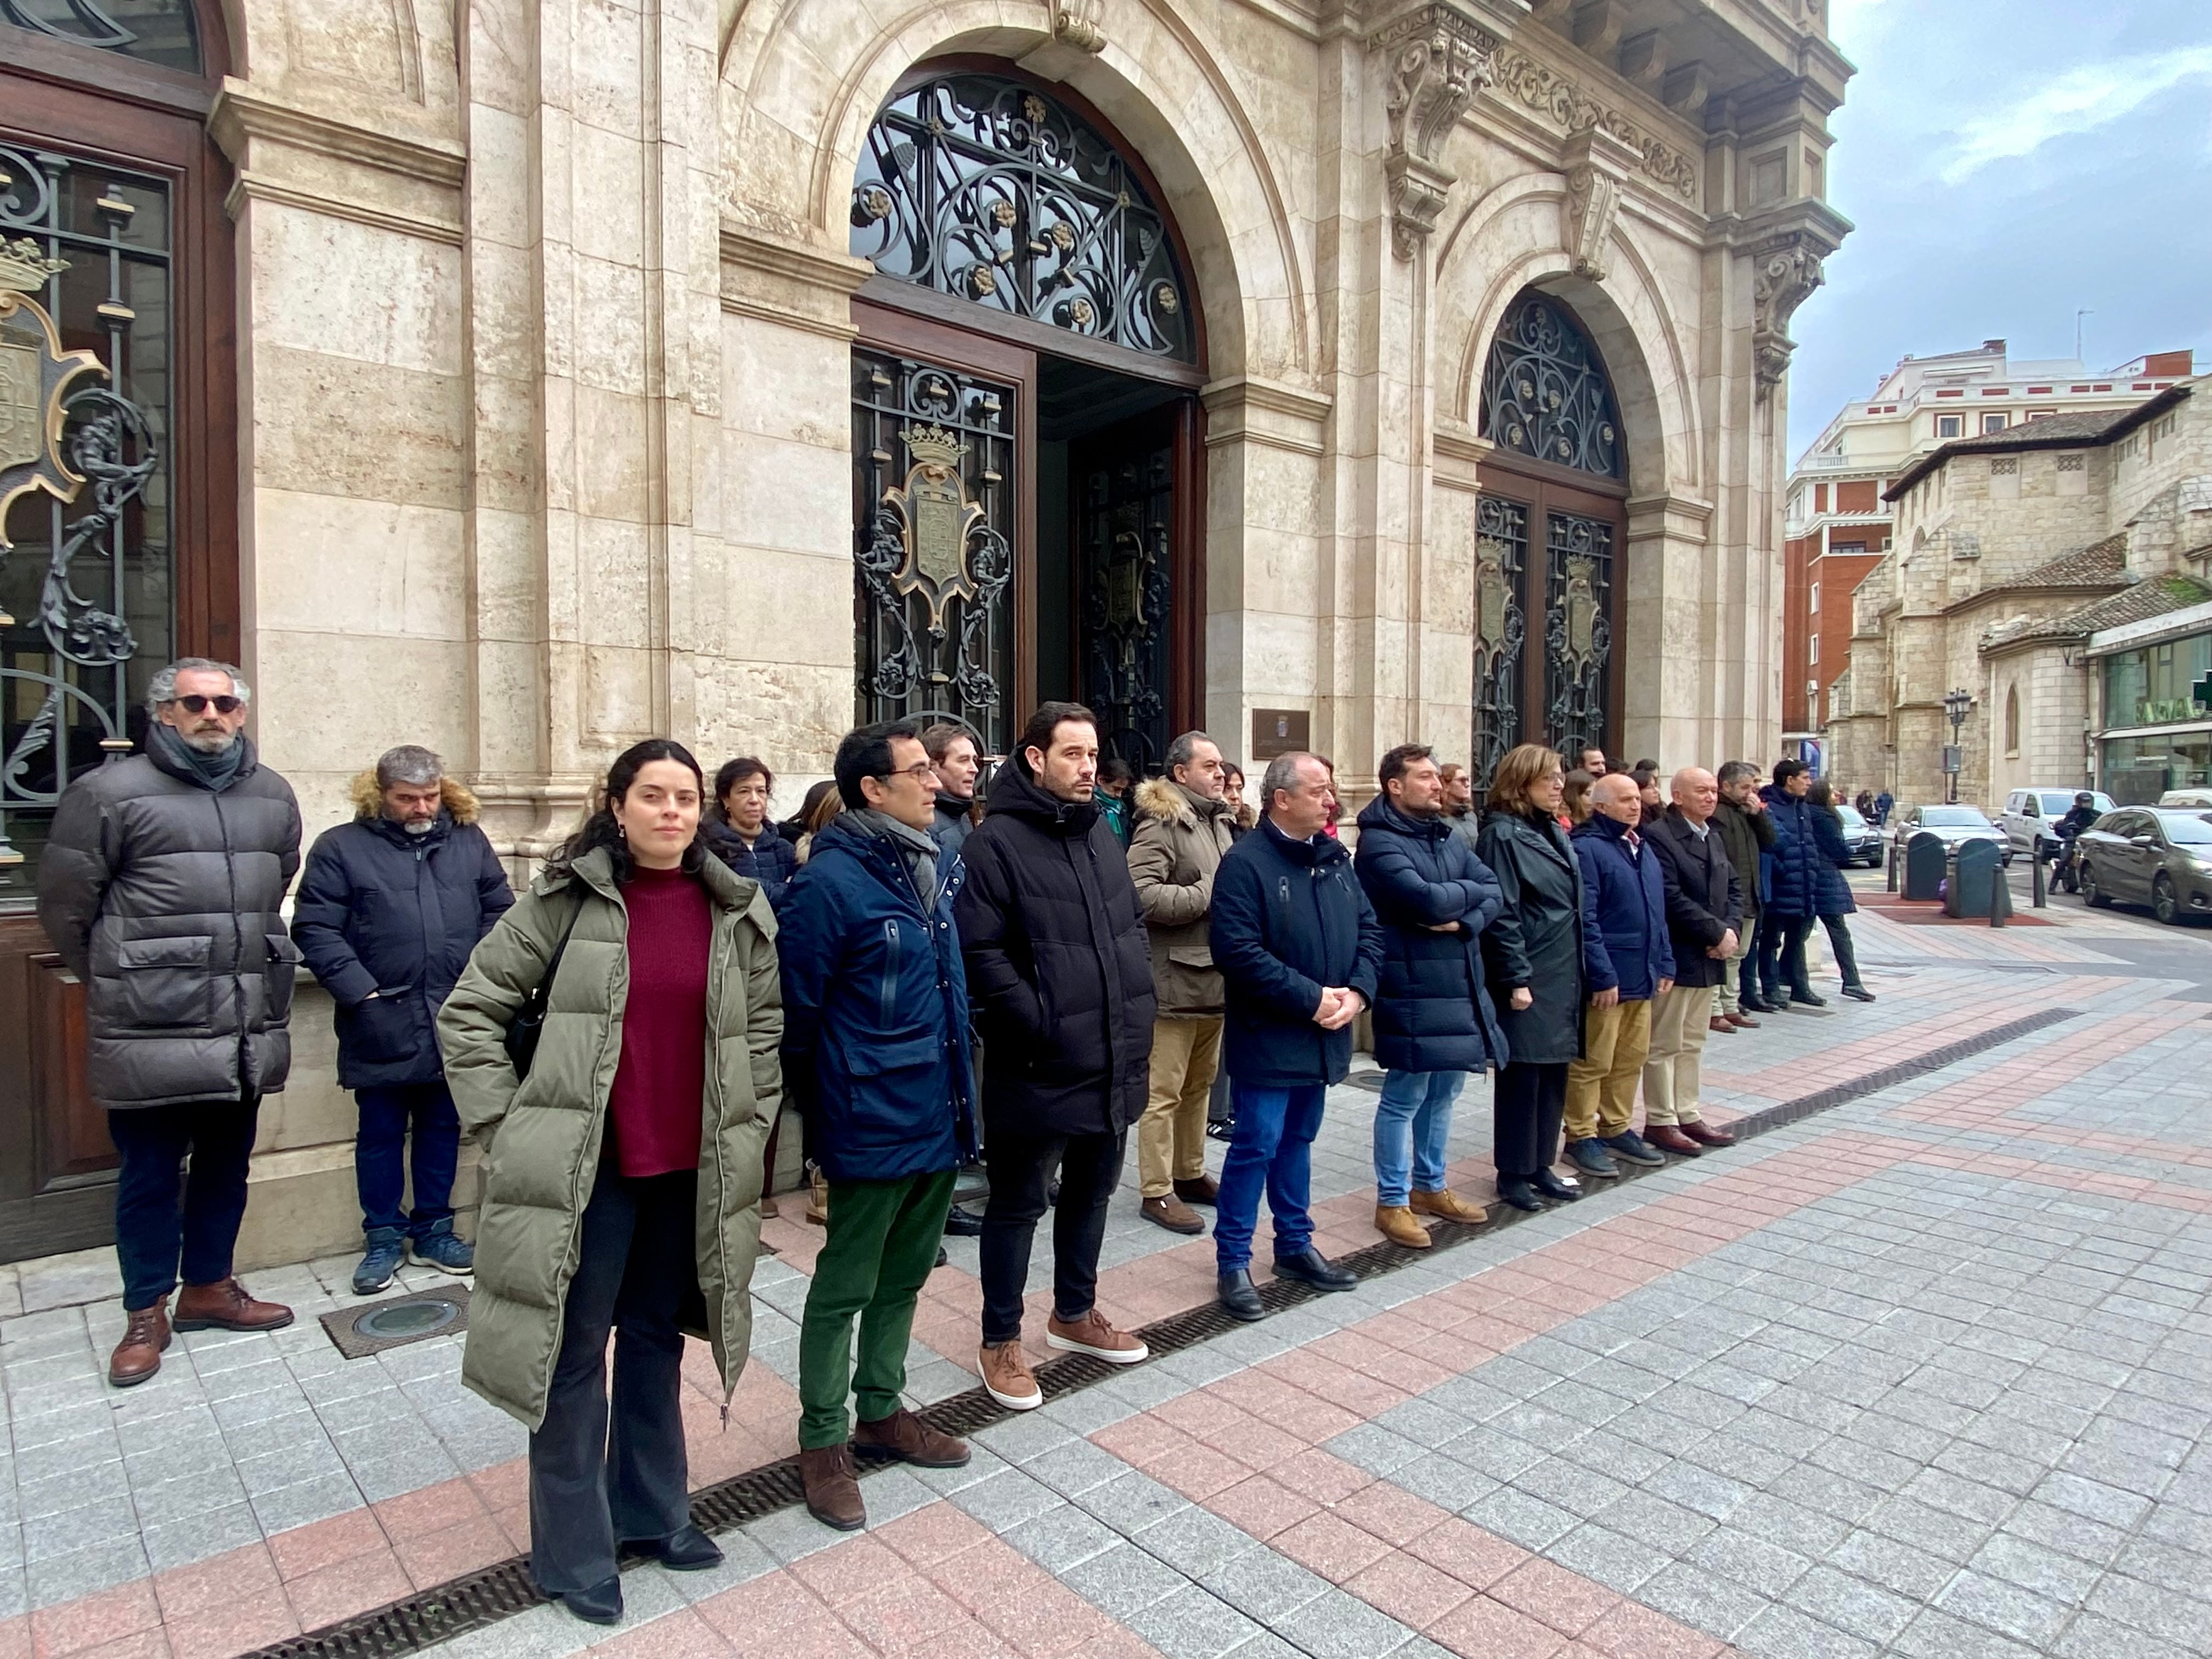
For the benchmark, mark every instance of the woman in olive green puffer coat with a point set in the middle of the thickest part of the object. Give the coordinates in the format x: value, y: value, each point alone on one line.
x: 588, y: 1214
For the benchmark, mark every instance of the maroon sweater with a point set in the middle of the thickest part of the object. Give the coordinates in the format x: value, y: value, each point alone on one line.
x: 658, y: 1098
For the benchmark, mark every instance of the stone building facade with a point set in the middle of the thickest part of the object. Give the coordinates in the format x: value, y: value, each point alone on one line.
x: 546, y: 375
x: 2017, y: 557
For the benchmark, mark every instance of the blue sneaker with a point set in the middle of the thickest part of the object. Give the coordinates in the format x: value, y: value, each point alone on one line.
x: 1637, y: 1150
x: 445, y: 1250
x: 1591, y: 1158
x: 387, y: 1249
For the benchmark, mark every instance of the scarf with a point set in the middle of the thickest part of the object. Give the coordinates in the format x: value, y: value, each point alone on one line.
x: 912, y: 844
x: 213, y: 773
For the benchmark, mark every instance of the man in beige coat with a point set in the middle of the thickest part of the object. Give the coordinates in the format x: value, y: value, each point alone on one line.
x: 1182, y: 827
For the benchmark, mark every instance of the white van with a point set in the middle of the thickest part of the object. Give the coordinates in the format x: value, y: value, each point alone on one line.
x: 2031, y: 816
x: 2186, y: 798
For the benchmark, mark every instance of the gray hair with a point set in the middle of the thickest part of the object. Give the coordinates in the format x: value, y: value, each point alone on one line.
x: 1283, y: 773
x: 162, y: 687
x: 1180, y: 751
x: 409, y: 763
x: 1732, y: 770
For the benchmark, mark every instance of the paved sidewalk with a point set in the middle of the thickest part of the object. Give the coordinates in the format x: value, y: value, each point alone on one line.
x: 1921, y: 1375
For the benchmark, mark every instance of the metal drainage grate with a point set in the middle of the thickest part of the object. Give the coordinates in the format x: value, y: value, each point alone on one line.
x: 371, y: 1327
x: 496, y: 1592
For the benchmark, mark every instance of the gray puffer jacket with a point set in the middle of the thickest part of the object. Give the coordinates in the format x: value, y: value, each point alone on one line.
x: 166, y: 899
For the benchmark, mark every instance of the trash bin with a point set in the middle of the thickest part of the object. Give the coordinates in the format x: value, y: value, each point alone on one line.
x: 1926, y: 858
x: 1975, y: 869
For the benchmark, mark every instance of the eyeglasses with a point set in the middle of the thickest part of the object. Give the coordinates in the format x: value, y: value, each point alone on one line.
x: 196, y: 704
x: 919, y: 771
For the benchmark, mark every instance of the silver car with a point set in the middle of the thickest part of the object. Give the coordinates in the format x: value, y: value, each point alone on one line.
x: 1951, y: 824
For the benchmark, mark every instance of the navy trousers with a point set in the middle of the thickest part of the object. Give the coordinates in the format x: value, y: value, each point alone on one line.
x: 388, y: 1115
x: 167, y: 1219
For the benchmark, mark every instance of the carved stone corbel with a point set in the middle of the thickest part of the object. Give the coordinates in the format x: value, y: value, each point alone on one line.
x: 1785, y: 269
x: 1080, y: 24
x: 1598, y: 166
x: 1436, y: 58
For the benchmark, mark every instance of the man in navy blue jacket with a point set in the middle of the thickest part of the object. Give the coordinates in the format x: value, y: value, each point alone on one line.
x: 1793, y: 884
x: 389, y: 907
x: 1300, y: 954
x: 1631, y: 962
x: 875, y: 1047
x: 1433, y: 1020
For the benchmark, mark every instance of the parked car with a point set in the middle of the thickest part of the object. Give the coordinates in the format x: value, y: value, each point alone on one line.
x: 1951, y: 824
x: 2200, y: 798
x: 2154, y: 855
x: 2031, y: 816
x: 1862, y: 837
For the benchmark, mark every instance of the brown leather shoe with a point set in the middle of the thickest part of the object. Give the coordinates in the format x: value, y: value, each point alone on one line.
x: 226, y: 1307
x: 1395, y: 1223
x: 1204, y: 1190
x: 1705, y: 1135
x: 1007, y: 1378
x: 1173, y: 1214
x: 1719, y: 1023
x: 905, y: 1436
x: 1094, y: 1335
x: 139, y: 1355
x: 1446, y: 1206
x: 1742, y: 1022
x: 833, y: 1491
x: 1669, y: 1138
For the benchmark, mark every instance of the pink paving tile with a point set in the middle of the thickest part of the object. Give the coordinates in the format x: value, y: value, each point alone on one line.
x: 1631, y: 1630
x: 146, y: 1645
x: 680, y: 1635
x: 822, y: 1638
x: 1481, y: 1628
x: 91, y: 1621
x: 354, y: 1586
x: 502, y: 1485
x: 1324, y: 1479
x: 320, y: 1544
x: 1201, y: 1415
x: 848, y: 1570
x: 962, y: 1638
x: 15, y: 1636
x: 183, y: 1591
x: 1336, y: 1549
x: 1566, y: 1600
x: 239, y: 1626
x: 1391, y: 1513
x: 766, y: 1605
x: 1144, y: 1440
x: 430, y: 1509
x: 1257, y: 1445
x: 1119, y: 1644
x: 1261, y: 1507
x: 1408, y: 1590
x: 900, y: 1616
x: 433, y: 1558
x: 931, y: 1535
x: 1477, y: 1558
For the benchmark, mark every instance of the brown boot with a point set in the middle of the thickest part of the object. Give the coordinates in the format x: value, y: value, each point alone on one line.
x: 1395, y: 1223
x: 1173, y: 1214
x: 907, y: 1438
x: 833, y: 1491
x: 1447, y: 1205
x: 139, y: 1355
x: 1202, y: 1190
x: 226, y: 1307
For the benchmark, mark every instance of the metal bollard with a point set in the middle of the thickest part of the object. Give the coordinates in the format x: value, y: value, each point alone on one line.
x: 2039, y: 897
x: 1892, y: 875
x: 2000, y: 899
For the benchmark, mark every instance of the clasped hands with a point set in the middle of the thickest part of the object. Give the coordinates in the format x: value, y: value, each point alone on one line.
x: 1340, y: 1006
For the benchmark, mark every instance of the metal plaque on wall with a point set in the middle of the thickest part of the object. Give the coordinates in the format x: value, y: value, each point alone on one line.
x: 1280, y: 731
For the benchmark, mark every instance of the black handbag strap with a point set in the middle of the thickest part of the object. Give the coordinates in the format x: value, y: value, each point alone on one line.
x: 540, y: 997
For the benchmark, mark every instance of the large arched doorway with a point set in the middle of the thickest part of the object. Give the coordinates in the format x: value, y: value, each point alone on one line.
x: 1027, y: 442
x: 1550, y: 527
x: 118, y: 494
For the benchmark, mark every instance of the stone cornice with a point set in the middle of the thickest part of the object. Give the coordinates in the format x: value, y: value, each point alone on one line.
x: 244, y: 113
x: 1539, y: 87
x: 1246, y: 408
x: 251, y: 186
x: 788, y: 283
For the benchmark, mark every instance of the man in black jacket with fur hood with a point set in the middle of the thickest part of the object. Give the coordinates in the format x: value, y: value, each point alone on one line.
x: 1059, y: 973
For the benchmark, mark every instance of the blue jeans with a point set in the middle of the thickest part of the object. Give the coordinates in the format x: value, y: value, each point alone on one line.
x: 378, y: 1155
x: 167, y: 1221
x: 1271, y: 1147
x: 1411, y: 1127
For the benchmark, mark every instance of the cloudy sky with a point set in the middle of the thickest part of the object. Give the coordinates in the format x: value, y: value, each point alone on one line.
x: 2007, y: 162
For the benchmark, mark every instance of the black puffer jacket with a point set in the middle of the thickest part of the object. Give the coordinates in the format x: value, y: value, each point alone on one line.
x: 165, y: 898
x: 1060, y: 969
x: 1432, y: 1012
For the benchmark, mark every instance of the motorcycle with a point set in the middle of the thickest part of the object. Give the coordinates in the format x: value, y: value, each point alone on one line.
x: 2066, y: 868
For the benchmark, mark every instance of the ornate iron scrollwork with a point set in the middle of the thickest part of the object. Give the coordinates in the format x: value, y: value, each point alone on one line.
x: 1578, y: 630
x: 933, y: 557
x: 984, y: 187
x: 1127, y: 573
x: 1501, y: 594
x: 1544, y: 393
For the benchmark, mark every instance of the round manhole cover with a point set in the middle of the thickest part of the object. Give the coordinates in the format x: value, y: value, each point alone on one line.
x: 417, y: 1318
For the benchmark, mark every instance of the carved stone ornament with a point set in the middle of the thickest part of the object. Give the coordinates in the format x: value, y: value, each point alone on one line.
x: 1080, y: 24
x: 1549, y: 93
x: 1593, y: 198
x: 35, y: 376
x: 936, y: 515
x: 1785, y: 271
x: 1436, y: 58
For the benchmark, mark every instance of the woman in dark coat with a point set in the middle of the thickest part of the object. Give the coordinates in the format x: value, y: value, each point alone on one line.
x: 1532, y: 955
x: 736, y: 830
x: 1831, y: 894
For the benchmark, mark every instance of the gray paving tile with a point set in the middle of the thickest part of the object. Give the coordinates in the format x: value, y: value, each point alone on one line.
x: 1265, y: 1586
x: 1786, y: 1633
x: 1335, y: 1625
x: 1698, y: 1597
x: 1193, y: 1622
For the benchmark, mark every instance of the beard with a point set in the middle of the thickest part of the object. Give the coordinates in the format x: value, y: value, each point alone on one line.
x: 209, y: 741
x: 418, y: 826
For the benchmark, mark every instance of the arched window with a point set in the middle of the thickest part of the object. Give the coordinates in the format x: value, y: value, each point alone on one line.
x: 2011, y: 720
x: 1545, y: 394
x: 162, y: 32
x: 981, y: 186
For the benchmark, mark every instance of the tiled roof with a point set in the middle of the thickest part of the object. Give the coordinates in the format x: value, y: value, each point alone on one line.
x: 2137, y: 602
x: 2098, y: 565
x: 2082, y: 429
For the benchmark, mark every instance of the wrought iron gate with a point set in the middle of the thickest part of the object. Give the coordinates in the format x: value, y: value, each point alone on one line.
x: 85, y: 395
x: 1124, y: 519
x: 1578, y: 631
x: 934, y: 456
x: 1501, y: 611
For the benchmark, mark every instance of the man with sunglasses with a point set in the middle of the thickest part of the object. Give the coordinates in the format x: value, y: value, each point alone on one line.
x: 162, y: 887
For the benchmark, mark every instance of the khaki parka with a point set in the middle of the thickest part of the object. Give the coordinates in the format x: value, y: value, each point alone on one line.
x: 1178, y: 843
x: 541, y: 1141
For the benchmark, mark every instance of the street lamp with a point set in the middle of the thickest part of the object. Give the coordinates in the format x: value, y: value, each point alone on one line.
x: 1955, y: 705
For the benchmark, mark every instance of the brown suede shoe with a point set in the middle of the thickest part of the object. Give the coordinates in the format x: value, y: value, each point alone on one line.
x: 1718, y: 1023
x: 833, y: 1491
x: 907, y: 1438
x: 1173, y: 1214
x: 1446, y: 1206
x: 226, y: 1307
x: 1203, y: 1190
x: 1669, y: 1138
x: 1705, y: 1135
x: 1007, y: 1378
x: 1095, y: 1335
x: 1742, y: 1022
x: 139, y: 1355
x: 1395, y: 1223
